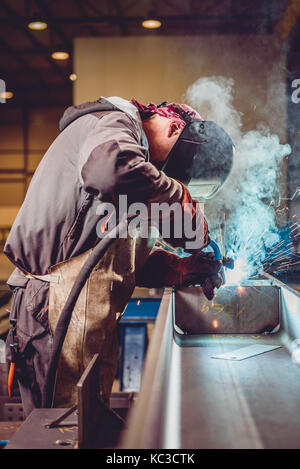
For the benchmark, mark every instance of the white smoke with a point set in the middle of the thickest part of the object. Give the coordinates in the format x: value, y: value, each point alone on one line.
x: 247, y: 200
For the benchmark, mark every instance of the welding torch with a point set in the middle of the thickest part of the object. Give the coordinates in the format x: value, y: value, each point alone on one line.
x: 227, y: 262
x: 216, y: 280
x: 209, y: 272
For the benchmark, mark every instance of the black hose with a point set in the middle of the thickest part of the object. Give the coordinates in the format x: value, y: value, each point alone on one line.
x: 66, y: 314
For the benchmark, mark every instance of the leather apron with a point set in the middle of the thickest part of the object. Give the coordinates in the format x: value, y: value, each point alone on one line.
x: 93, y: 326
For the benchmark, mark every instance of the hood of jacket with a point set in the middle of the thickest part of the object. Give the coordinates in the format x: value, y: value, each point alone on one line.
x: 102, y: 104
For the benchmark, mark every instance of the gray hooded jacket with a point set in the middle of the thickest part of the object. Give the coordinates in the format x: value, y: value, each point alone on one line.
x: 101, y: 152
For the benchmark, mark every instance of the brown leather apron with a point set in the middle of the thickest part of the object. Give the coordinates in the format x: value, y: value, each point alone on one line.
x: 93, y: 327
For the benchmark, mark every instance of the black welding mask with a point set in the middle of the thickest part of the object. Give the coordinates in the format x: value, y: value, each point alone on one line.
x: 201, y: 158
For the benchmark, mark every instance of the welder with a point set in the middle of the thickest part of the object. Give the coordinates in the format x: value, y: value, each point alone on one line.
x: 105, y: 149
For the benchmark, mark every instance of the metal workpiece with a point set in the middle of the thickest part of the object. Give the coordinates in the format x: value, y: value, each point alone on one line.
x: 235, y: 310
x: 191, y: 399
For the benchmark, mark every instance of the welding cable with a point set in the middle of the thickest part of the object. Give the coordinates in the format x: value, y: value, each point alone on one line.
x: 66, y: 314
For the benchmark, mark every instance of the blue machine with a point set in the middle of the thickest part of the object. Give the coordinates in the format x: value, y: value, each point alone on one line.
x: 134, y: 340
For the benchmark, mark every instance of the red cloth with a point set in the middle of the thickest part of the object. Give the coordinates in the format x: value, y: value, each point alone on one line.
x: 165, y: 111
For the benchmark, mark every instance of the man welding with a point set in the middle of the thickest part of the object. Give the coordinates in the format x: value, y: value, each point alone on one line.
x: 105, y: 149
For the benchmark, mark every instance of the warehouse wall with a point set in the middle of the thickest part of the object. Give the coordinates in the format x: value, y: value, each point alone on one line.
x: 159, y: 68
x: 26, y: 133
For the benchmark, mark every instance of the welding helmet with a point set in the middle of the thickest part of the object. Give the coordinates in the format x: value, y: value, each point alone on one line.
x: 201, y: 158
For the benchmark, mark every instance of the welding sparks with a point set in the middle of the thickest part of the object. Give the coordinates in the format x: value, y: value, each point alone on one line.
x: 254, y: 258
x: 283, y: 256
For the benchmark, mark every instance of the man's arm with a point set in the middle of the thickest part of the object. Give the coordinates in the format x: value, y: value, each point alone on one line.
x: 163, y: 269
x: 114, y: 162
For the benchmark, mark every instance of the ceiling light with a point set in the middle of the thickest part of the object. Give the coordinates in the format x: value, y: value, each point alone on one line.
x: 151, y: 23
x: 73, y: 77
x: 6, y: 94
x: 37, y: 25
x: 60, y: 55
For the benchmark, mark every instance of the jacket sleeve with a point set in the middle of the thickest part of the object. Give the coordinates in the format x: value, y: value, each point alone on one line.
x: 166, y: 269
x: 162, y: 269
x: 113, y: 161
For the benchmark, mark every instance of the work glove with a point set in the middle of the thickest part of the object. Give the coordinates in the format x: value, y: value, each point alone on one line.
x: 203, y: 269
x: 166, y: 269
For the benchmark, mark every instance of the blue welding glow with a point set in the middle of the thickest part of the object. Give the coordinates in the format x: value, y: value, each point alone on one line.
x: 242, y: 217
x: 239, y: 274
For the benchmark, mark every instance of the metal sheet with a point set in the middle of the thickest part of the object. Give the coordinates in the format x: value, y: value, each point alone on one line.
x: 33, y: 433
x: 246, y: 352
x: 133, y: 347
x: 245, y: 404
x: 99, y: 426
x: 234, y: 310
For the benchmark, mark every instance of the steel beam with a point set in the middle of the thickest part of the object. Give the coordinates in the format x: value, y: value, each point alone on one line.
x: 189, y: 399
x: 58, y: 31
x: 17, y: 58
x: 21, y: 22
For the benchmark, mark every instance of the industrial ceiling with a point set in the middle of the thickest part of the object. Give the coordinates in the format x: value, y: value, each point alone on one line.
x: 35, y: 77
